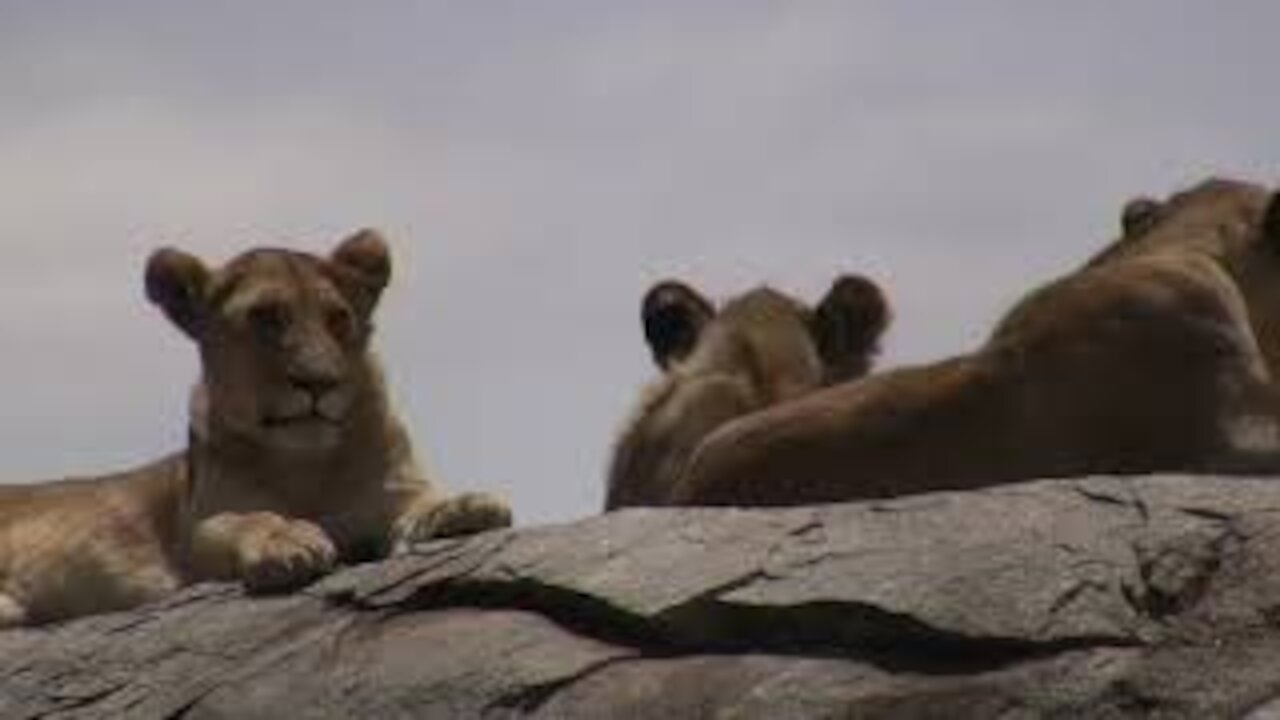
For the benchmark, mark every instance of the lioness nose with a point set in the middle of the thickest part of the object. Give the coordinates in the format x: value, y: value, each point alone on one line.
x: 316, y: 385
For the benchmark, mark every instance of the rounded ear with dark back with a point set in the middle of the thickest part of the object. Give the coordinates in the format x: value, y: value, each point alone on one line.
x: 847, y: 326
x: 1139, y: 215
x: 361, y: 265
x: 1271, y: 223
x: 177, y: 282
x: 674, y: 315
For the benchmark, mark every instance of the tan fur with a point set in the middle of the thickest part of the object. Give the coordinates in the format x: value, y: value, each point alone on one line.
x: 1158, y: 355
x: 760, y: 349
x: 296, y: 461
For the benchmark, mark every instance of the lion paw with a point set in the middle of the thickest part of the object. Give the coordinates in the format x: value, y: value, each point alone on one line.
x: 463, y: 514
x: 286, y: 556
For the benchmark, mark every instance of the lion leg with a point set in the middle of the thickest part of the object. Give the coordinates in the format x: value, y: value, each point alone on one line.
x: 87, y: 554
x: 1249, y: 428
x: 12, y: 612
x: 430, y: 517
x: 875, y: 438
x: 965, y: 423
x: 267, y: 551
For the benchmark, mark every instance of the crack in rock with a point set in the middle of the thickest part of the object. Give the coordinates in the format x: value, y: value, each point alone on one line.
x: 1176, y: 574
x: 532, y: 698
x: 1131, y: 499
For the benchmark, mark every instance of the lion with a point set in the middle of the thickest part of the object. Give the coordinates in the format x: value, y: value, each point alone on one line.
x: 1158, y: 355
x: 295, y: 460
x: 759, y: 349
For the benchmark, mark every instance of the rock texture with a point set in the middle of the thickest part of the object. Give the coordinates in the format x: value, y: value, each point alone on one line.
x: 1152, y: 597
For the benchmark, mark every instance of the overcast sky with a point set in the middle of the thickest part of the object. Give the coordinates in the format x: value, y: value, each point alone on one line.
x: 537, y: 165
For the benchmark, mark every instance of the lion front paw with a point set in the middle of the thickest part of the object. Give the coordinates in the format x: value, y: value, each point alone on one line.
x: 285, y: 556
x: 463, y: 514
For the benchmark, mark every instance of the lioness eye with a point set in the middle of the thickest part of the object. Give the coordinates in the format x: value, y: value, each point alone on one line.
x: 269, y: 319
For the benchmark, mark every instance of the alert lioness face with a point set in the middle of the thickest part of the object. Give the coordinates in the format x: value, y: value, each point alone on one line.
x: 282, y: 336
x: 295, y: 462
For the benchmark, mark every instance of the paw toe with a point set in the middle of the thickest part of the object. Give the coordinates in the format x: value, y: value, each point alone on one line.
x: 464, y: 514
x: 289, y: 559
x: 472, y: 513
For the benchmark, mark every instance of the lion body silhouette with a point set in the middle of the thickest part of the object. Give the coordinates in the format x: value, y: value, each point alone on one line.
x: 1159, y: 354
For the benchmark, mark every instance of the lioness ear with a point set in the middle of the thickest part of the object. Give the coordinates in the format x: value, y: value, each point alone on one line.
x: 673, y: 315
x: 1139, y: 215
x: 363, y: 265
x: 1271, y: 223
x: 177, y: 281
x: 848, y: 324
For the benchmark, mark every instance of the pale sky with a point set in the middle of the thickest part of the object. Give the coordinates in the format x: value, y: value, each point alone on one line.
x: 537, y: 165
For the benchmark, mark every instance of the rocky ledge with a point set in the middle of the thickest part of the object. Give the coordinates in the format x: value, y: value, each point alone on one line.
x: 1085, y: 598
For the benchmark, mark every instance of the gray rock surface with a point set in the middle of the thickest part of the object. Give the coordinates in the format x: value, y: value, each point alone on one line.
x: 1106, y: 597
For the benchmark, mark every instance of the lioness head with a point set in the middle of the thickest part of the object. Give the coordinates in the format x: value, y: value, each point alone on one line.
x: 283, y: 337
x: 768, y: 332
x: 721, y: 363
x: 1236, y: 224
x: 1233, y: 221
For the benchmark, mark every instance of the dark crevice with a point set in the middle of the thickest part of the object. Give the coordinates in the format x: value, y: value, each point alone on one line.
x: 531, y: 699
x: 1133, y: 502
x: 814, y: 525
x: 1065, y: 599
x: 580, y: 614
x: 709, y: 626
x: 185, y: 709
x: 890, y: 641
x: 1208, y: 514
x: 66, y: 704
x: 1128, y: 699
x: 856, y: 633
x: 1176, y: 576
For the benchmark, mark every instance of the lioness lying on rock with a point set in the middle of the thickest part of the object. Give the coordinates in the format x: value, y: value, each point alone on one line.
x: 1160, y: 354
x: 756, y: 350
x: 295, y: 460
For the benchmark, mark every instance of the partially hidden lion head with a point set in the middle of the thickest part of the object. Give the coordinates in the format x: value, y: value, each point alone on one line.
x: 1230, y: 220
x: 1234, y: 223
x: 768, y: 332
x: 723, y: 362
x: 283, y: 338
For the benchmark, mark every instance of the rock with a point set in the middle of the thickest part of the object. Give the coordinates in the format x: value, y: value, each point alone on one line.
x: 1104, y: 597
